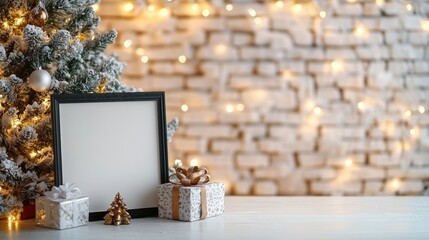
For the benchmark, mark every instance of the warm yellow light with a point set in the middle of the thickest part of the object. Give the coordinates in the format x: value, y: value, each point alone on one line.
x: 229, y: 108
x: 317, y: 110
x: 33, y: 154
x: 220, y: 49
x: 12, y: 218
x: 229, y: 7
x: 240, y: 107
x: 388, y: 127
x: 194, y: 162
x: 181, y: 59
x: 297, y: 7
x: 336, y: 65
x: 36, y: 118
x: 322, y: 14
x: 140, y: 51
x: 144, y: 59
x: 413, y: 131
x: 407, y: 114
x: 151, y: 8
x: 43, y: 16
x: 360, y: 31
x: 406, y: 146
x: 205, y: 12
x: 16, y: 123
x: 128, y: 7
x: 395, y: 184
x: 184, y: 107
x: 19, y: 21
x: 5, y: 25
x: 257, y: 20
x: 409, y: 7
x: 280, y: 3
x: 379, y: 2
x: 45, y: 101
x: 351, y: 1
x: 348, y: 162
x: 178, y: 162
x: 309, y: 105
x: 361, y: 106
x: 252, y: 12
x: 194, y: 7
x: 128, y: 43
x: 422, y: 109
x: 286, y: 74
x: 164, y: 12
x: 95, y: 7
x: 425, y: 25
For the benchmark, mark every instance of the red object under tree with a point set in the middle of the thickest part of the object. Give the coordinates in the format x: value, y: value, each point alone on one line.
x: 29, y: 211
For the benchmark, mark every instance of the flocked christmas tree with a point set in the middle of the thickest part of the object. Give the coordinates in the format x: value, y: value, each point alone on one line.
x: 46, y: 46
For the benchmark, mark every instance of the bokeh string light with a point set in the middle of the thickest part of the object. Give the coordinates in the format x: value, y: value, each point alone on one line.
x: 322, y: 11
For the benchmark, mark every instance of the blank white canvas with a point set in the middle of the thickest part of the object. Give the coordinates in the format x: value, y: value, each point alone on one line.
x: 111, y: 147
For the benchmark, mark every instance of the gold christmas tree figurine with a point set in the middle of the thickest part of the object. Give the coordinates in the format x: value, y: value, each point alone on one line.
x: 117, y: 213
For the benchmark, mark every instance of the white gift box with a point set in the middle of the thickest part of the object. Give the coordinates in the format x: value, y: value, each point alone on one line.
x: 190, y: 203
x: 62, y: 213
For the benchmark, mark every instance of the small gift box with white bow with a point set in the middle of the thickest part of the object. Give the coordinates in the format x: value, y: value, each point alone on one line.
x: 189, y: 196
x: 62, y: 207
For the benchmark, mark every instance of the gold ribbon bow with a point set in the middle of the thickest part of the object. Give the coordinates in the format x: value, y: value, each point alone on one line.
x: 183, y: 177
x: 192, y: 176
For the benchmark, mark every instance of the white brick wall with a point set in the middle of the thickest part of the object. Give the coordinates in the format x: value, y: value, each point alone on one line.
x: 288, y: 103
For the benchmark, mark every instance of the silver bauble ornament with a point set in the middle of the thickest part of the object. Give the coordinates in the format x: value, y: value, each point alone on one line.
x: 40, y: 80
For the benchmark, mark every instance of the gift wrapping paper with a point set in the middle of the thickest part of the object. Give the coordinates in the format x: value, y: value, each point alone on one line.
x: 62, y: 213
x: 190, y: 202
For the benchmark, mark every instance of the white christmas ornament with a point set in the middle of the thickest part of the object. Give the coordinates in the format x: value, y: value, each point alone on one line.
x: 40, y: 80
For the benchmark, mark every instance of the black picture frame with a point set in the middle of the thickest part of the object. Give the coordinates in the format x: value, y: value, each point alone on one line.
x: 58, y: 103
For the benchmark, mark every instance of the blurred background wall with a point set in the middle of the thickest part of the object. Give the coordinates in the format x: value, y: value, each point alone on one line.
x: 288, y: 97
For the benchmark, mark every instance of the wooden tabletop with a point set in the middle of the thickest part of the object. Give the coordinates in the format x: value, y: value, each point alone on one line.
x: 265, y: 218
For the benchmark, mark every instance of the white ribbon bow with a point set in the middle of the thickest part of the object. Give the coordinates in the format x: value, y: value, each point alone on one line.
x: 66, y: 191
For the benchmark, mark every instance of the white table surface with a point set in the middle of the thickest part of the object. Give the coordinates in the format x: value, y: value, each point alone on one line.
x: 265, y: 218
